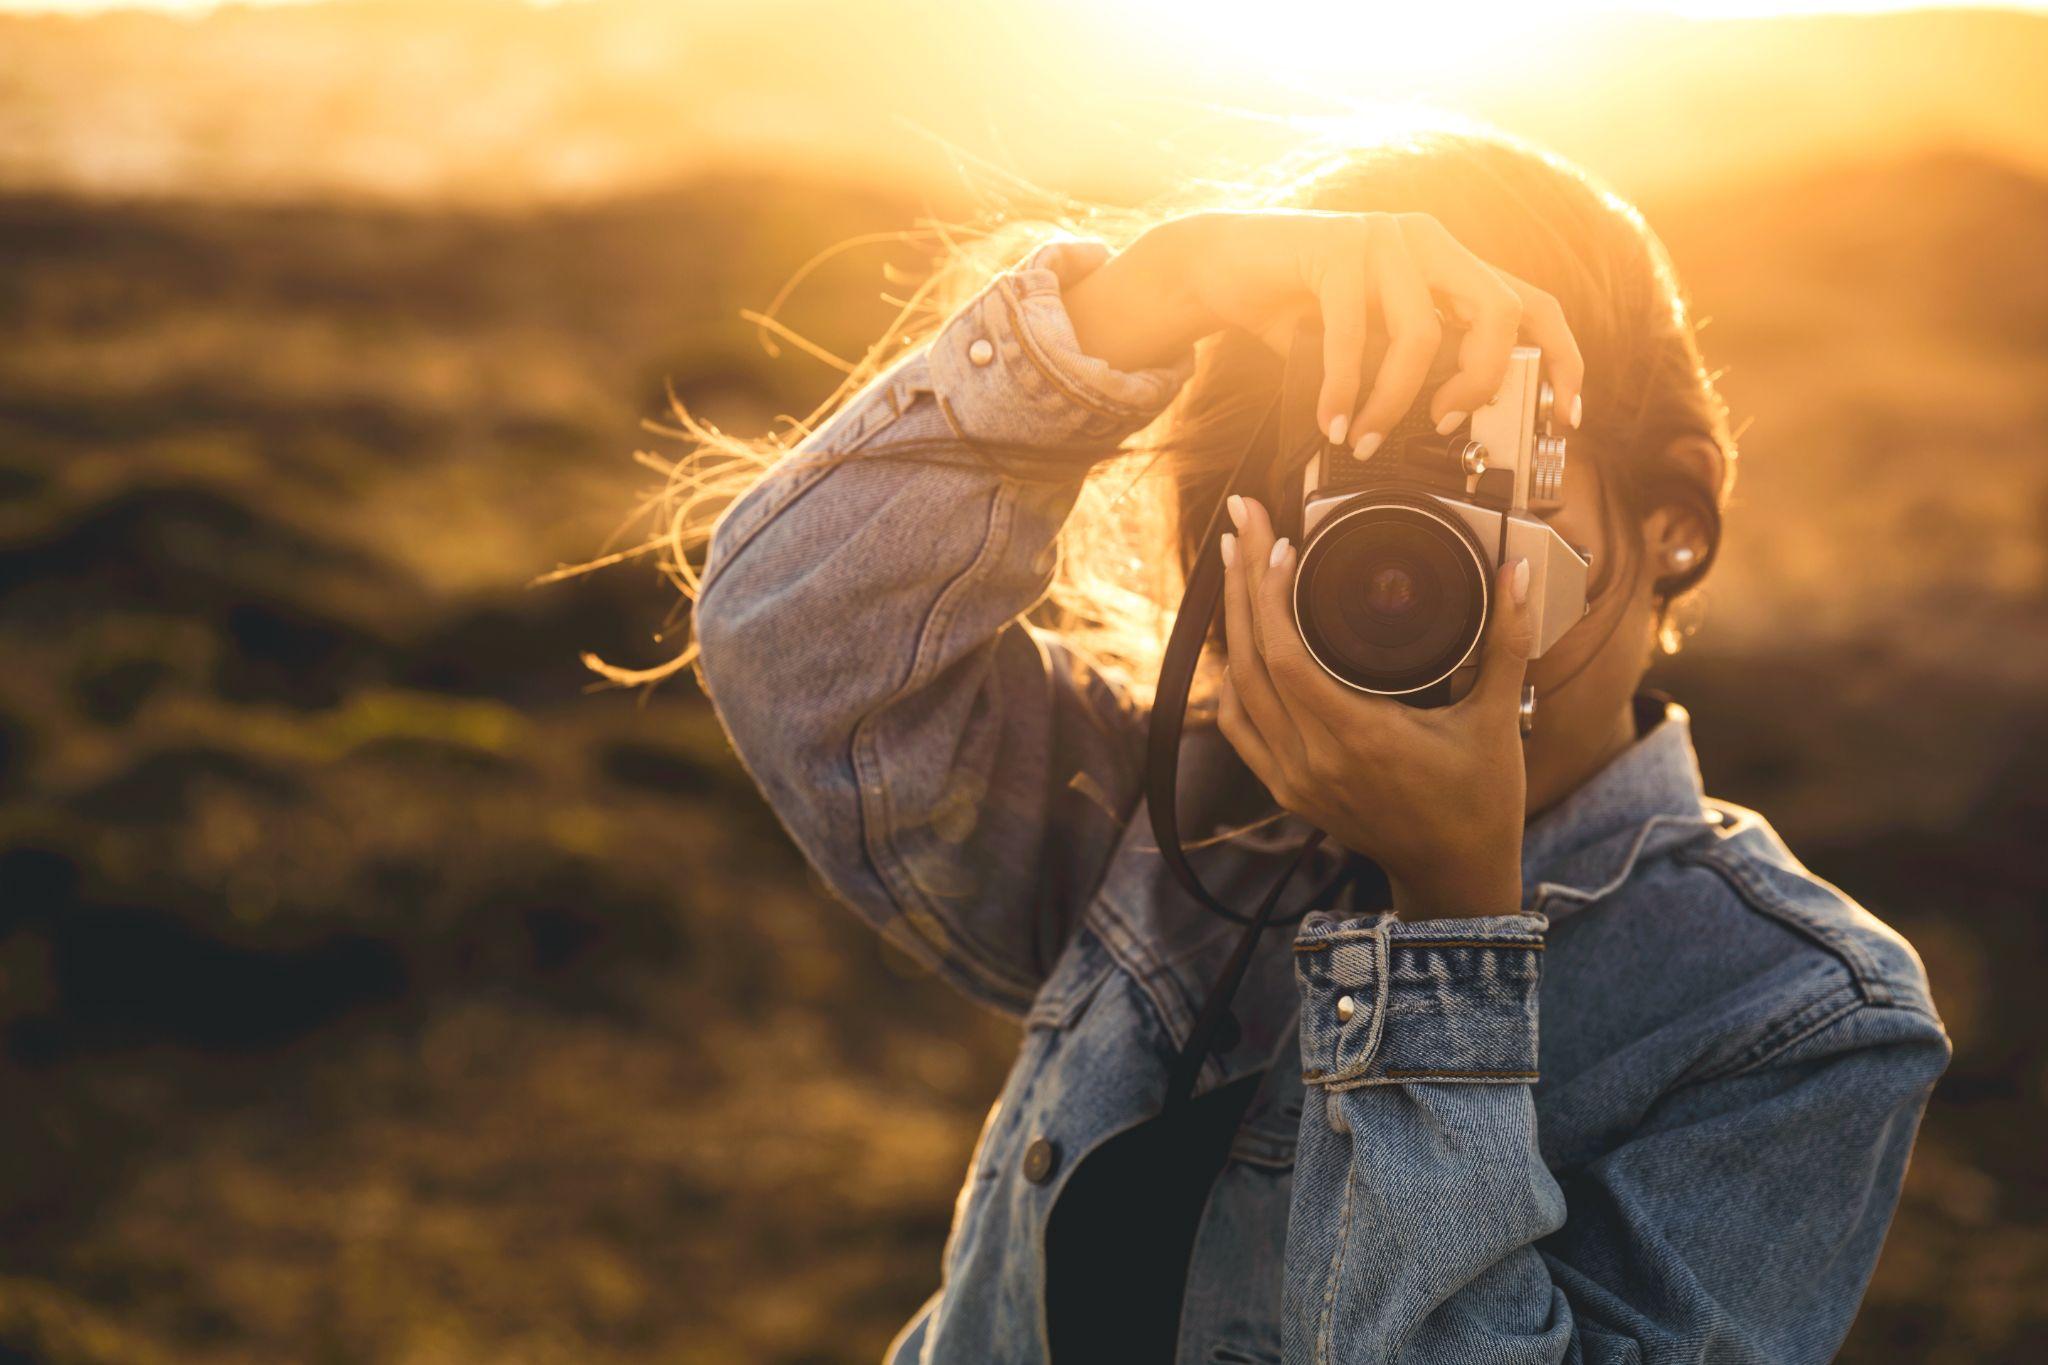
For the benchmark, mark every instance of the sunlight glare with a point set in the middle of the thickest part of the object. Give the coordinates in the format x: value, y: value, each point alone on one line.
x: 1381, y: 49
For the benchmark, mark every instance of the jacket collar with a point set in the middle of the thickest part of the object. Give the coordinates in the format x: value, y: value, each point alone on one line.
x: 1647, y: 799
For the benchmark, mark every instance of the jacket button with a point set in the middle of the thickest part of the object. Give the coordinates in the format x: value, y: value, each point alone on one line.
x: 1346, y: 1007
x: 981, y: 352
x: 1040, y: 1158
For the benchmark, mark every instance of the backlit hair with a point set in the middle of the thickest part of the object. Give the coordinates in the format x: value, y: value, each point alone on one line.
x: 1647, y: 394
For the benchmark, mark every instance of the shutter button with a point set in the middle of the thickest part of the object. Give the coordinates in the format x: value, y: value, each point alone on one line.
x: 1346, y: 1007
x: 1039, y: 1160
x: 981, y: 352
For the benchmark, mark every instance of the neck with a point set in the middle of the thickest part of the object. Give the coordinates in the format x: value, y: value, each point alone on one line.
x: 1565, y: 766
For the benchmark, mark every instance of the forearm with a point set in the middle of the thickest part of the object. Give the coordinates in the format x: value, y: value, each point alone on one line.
x: 862, y: 654
x: 860, y: 636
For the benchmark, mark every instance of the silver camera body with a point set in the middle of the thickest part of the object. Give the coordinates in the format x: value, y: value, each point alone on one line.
x: 1398, y: 552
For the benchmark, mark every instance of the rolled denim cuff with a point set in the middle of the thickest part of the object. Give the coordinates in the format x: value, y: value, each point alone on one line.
x: 1389, y: 1002
x: 1007, y: 368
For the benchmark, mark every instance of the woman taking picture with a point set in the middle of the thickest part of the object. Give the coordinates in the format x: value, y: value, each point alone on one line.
x: 1599, y: 1072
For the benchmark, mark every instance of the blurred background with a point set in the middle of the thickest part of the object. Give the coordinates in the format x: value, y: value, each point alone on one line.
x: 372, y: 988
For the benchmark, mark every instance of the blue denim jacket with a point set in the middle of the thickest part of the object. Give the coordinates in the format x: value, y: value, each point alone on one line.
x: 1695, y: 1157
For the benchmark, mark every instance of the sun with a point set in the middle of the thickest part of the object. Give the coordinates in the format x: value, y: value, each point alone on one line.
x: 1465, y: 52
x: 1377, y: 49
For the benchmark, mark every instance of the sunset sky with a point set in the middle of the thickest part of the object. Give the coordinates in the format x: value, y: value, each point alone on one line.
x: 507, y: 101
x: 1443, y: 14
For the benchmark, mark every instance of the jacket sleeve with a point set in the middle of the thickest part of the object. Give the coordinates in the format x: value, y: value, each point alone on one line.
x: 956, y: 776
x: 1740, y: 1222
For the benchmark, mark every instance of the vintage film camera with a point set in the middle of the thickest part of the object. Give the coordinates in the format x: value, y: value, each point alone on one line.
x: 1398, y: 552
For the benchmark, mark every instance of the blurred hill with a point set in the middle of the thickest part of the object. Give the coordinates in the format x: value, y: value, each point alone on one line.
x: 501, y: 102
x: 1881, y: 333
x: 371, y: 989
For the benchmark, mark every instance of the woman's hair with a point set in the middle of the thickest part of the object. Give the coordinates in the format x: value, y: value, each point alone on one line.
x: 1647, y: 396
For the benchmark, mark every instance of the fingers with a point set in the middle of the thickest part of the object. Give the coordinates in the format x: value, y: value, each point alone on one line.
x: 1254, y: 547
x: 1510, y: 638
x: 1266, y: 578
x: 1253, y: 689
x: 1244, y: 736
x: 1493, y: 314
x: 1543, y: 322
x: 1413, y: 335
x: 1407, y: 263
x: 1341, y: 299
x: 1478, y: 297
x: 1318, y: 703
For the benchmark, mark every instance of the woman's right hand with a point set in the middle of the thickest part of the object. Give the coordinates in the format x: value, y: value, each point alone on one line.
x: 1261, y: 271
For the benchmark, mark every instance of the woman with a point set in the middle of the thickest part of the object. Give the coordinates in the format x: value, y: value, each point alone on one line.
x: 1695, y: 1159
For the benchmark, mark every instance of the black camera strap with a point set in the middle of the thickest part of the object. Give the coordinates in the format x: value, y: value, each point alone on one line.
x: 1213, y: 1024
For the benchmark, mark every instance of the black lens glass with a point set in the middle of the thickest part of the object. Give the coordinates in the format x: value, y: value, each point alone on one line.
x: 1391, y: 597
x: 1390, y: 592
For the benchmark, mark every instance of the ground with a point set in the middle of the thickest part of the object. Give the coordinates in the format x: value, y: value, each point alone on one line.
x: 374, y: 989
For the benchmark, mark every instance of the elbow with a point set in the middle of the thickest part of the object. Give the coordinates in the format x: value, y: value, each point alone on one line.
x: 758, y: 672
x: 727, y: 669
x: 722, y: 619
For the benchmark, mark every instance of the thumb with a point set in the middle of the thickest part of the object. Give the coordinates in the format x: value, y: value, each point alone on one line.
x: 1510, y: 638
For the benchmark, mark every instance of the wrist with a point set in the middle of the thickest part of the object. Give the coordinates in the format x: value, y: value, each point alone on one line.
x: 1138, y: 310
x: 1475, y: 897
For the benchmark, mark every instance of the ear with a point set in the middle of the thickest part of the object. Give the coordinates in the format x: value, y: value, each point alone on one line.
x: 1676, y: 528
x: 1671, y: 530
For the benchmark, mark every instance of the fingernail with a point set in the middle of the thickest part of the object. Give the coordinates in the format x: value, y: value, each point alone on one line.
x: 1229, y: 550
x: 1518, y: 582
x: 1236, y: 506
x: 1367, y: 444
x: 1279, y: 553
x: 1451, y: 422
x: 1339, y: 425
x: 1578, y: 410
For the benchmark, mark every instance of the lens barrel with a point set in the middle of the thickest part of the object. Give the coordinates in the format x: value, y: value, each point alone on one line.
x: 1393, y: 593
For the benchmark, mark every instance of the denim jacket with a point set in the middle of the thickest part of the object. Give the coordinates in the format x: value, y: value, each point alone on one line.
x: 1694, y: 1158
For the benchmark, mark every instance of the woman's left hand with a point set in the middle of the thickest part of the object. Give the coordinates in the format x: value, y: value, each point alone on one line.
x: 1437, y: 797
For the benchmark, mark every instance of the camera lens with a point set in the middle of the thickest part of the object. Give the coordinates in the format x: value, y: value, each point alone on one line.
x: 1392, y: 594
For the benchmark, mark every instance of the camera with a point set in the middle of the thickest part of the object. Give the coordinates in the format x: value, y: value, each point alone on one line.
x: 1398, y: 551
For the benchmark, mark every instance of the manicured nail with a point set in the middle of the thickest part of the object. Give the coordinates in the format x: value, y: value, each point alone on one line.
x: 1518, y: 582
x: 1367, y: 444
x: 1578, y: 410
x: 1451, y: 422
x: 1236, y: 506
x: 1229, y: 550
x: 1339, y: 425
x: 1279, y: 553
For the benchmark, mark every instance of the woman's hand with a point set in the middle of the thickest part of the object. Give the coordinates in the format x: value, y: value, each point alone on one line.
x: 1193, y: 276
x: 1435, y: 797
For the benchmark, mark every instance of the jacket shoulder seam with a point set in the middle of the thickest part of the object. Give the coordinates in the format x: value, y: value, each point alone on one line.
x: 1788, y: 1032
x: 1755, y: 891
x: 1811, y: 1023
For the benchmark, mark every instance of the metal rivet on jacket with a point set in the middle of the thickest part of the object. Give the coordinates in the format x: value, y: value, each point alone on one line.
x: 1041, y: 1159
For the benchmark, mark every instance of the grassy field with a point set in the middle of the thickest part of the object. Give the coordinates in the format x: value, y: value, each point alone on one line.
x: 373, y: 989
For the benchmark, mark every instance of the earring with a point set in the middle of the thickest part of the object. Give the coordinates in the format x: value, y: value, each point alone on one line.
x: 1681, y: 557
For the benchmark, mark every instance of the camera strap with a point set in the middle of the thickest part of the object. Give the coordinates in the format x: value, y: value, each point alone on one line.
x: 1214, y: 1027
